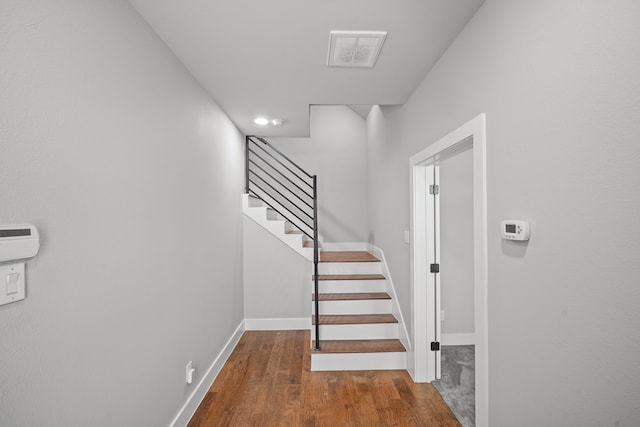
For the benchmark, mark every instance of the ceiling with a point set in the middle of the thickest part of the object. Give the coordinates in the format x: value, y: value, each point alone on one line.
x: 269, y: 58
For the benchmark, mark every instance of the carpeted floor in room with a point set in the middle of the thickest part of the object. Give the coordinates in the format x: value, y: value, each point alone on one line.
x: 457, y: 383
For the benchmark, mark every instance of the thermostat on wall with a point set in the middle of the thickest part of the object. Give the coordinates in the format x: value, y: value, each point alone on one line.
x: 515, y: 229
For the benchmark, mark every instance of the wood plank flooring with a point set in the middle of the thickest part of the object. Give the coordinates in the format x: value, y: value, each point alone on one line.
x: 358, y: 296
x: 267, y: 382
x: 350, y: 277
x: 361, y: 346
x: 347, y: 256
x: 353, y: 319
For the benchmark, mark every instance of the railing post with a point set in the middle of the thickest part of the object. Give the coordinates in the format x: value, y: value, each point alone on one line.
x: 316, y: 259
x: 246, y: 164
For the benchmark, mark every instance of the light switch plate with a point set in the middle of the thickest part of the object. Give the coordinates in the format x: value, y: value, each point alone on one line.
x: 11, y: 290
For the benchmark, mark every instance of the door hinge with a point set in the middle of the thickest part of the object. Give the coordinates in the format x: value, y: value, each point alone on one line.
x: 434, y: 189
x: 435, y: 346
x: 435, y: 268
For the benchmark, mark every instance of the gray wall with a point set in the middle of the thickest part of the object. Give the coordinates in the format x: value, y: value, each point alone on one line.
x: 133, y: 176
x: 277, y: 279
x: 456, y: 243
x: 559, y: 83
x: 336, y: 153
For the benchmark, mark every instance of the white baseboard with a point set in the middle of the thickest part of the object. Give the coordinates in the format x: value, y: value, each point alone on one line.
x: 458, y: 339
x: 286, y: 324
x: 192, y: 403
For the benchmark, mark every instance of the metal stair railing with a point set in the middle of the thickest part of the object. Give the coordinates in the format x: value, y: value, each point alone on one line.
x: 290, y: 191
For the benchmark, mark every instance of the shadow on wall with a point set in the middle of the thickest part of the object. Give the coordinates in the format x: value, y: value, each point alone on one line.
x: 325, y: 218
x: 514, y: 249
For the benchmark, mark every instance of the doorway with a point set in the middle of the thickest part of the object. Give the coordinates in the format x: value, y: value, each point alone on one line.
x: 425, y: 356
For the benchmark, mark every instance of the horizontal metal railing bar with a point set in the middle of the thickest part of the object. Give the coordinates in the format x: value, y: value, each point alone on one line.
x: 293, y: 208
x: 292, y: 213
x: 251, y: 171
x: 264, y: 141
x: 283, y: 175
x: 288, y: 219
x: 279, y: 193
x: 280, y: 162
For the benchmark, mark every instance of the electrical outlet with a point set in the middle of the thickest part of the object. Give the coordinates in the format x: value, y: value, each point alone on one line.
x: 189, y: 371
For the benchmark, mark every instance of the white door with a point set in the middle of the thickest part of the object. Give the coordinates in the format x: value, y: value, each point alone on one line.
x: 432, y: 228
x: 425, y: 318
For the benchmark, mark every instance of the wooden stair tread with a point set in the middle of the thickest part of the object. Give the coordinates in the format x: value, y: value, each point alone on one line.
x: 354, y: 319
x: 350, y: 277
x: 347, y: 256
x: 309, y: 244
x: 294, y: 232
x: 360, y: 346
x: 352, y: 296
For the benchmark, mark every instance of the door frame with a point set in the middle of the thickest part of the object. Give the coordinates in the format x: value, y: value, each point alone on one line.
x: 420, y: 363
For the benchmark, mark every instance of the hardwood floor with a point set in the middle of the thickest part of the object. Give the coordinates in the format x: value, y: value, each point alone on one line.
x: 349, y: 277
x: 347, y: 256
x: 267, y: 382
x: 351, y: 296
x: 352, y: 319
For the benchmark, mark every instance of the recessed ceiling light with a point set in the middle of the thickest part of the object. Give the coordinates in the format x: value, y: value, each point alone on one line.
x: 261, y: 121
x: 354, y: 48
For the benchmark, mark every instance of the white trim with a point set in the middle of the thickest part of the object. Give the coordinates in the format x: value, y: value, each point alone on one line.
x: 403, y: 333
x: 358, y: 361
x: 191, y: 405
x: 437, y: 277
x: 471, y: 133
x: 286, y: 324
x: 458, y: 339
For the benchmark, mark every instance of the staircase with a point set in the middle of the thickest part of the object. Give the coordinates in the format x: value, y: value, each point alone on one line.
x: 357, y: 328
x: 282, y: 229
x: 351, y: 300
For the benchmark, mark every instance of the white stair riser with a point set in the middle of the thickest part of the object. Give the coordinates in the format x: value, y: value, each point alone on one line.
x: 350, y: 268
x: 293, y: 239
x: 275, y: 227
x: 369, y: 331
x: 256, y: 203
x: 350, y: 286
x: 358, y: 361
x: 273, y: 215
x: 380, y: 306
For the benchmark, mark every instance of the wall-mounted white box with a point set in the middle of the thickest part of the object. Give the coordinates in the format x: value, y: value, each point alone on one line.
x: 11, y: 283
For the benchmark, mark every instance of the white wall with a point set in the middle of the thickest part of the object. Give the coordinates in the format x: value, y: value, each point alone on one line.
x: 456, y: 243
x: 277, y: 280
x: 336, y: 153
x: 559, y: 84
x: 132, y: 175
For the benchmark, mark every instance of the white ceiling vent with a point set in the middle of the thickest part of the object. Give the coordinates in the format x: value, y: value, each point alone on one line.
x: 355, y: 48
